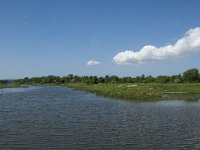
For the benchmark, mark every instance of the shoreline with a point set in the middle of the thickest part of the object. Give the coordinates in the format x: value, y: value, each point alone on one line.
x: 132, y: 92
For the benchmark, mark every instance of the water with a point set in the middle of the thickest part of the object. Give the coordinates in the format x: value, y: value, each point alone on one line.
x: 60, y: 118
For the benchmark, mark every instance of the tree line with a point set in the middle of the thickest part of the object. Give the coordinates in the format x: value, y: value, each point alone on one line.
x: 189, y: 76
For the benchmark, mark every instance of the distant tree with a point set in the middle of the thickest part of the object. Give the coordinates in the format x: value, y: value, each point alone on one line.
x: 114, y: 79
x: 70, y: 77
x: 106, y: 79
x: 163, y: 79
x: 75, y: 79
x: 191, y: 75
x: 176, y: 79
x: 26, y: 79
x: 92, y: 80
x: 126, y: 80
x: 149, y: 79
x: 139, y: 79
x: 142, y: 78
x: 101, y: 80
x: 84, y: 79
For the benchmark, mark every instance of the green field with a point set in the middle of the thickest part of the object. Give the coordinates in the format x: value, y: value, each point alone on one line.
x: 1, y: 86
x: 10, y: 86
x: 146, y: 92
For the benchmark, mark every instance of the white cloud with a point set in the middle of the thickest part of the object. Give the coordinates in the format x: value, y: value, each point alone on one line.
x: 93, y: 62
x: 188, y: 44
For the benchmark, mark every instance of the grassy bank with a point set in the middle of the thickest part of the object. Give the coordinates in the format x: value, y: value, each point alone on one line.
x: 142, y: 91
x: 10, y: 86
x: 4, y: 86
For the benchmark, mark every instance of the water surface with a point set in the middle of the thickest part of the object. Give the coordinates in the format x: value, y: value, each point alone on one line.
x: 60, y: 118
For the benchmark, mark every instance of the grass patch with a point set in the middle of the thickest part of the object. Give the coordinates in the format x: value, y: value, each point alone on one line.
x: 144, y: 92
x: 10, y: 86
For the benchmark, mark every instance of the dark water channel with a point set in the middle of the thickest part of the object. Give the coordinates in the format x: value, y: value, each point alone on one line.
x: 60, y: 118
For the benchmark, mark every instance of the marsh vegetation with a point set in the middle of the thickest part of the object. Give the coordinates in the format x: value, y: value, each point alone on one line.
x: 147, y: 92
x: 181, y: 86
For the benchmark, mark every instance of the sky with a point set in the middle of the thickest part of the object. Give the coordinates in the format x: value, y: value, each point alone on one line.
x: 98, y: 37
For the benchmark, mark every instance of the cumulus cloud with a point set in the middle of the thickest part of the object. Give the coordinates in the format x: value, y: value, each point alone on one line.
x: 93, y: 62
x: 188, y: 44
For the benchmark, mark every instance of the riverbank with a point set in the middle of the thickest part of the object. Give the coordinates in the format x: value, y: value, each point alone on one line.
x: 12, y: 86
x: 4, y: 86
x: 146, y: 92
x: 136, y: 92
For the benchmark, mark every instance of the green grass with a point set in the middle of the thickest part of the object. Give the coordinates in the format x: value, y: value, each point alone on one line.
x: 5, y: 86
x: 147, y: 92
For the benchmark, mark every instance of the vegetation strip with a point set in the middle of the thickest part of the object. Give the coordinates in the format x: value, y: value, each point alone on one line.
x: 144, y: 92
x: 183, y: 86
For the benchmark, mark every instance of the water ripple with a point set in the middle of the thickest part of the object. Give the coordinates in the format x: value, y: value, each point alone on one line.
x: 60, y: 118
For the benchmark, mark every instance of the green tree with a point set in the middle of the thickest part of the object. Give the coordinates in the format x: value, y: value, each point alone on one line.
x: 191, y: 75
x: 114, y: 79
x: 149, y: 79
x: 162, y: 79
x: 176, y: 79
x: 101, y: 80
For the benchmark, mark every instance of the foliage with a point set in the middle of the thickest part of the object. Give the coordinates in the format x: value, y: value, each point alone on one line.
x: 142, y: 91
x: 137, y: 88
x: 191, y: 75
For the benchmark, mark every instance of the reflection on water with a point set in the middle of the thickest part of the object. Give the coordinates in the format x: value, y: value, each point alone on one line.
x: 23, y: 89
x: 176, y: 103
x: 59, y: 118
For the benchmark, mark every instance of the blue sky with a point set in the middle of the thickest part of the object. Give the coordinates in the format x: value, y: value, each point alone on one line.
x: 59, y: 37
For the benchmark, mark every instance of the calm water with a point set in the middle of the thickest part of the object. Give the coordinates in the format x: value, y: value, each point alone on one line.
x: 60, y: 118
